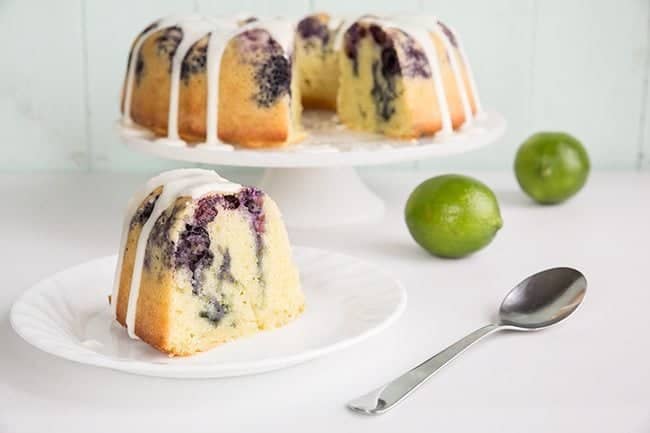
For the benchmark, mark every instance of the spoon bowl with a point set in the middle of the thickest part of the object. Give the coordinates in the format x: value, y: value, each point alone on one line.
x: 543, y: 299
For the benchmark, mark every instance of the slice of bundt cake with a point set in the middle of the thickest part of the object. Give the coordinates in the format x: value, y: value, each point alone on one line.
x: 203, y: 261
x: 403, y: 78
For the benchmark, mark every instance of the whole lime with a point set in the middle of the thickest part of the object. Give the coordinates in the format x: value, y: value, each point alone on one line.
x: 452, y: 215
x: 551, y: 166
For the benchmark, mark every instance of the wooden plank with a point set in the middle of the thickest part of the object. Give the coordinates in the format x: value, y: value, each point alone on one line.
x: 42, y: 87
x: 590, y: 60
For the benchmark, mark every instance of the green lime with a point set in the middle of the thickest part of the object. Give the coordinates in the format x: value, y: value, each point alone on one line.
x: 452, y: 215
x: 551, y: 166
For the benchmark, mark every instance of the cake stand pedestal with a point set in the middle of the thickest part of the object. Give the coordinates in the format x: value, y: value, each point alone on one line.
x: 314, y: 182
x: 321, y: 197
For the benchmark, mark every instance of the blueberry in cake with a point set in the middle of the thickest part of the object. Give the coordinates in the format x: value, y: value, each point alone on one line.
x: 203, y: 261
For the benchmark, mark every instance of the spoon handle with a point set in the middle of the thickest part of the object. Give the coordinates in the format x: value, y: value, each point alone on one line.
x: 385, y: 397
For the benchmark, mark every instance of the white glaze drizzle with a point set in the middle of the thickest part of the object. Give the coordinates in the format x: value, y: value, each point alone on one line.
x: 176, y: 183
x: 455, y: 69
x: 343, y: 24
x: 468, y: 68
x: 193, y: 31
x: 279, y: 30
x: 423, y: 37
x: 130, y: 75
x: 433, y: 25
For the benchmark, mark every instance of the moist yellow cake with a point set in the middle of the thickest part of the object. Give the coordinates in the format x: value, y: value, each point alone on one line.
x: 203, y: 261
x: 208, y: 80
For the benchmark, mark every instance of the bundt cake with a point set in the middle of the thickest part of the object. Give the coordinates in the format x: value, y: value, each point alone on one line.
x: 203, y: 261
x: 207, y: 80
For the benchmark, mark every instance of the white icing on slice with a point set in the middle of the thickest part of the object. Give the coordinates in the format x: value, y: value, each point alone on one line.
x: 222, y: 187
x: 175, y: 184
x: 133, y: 205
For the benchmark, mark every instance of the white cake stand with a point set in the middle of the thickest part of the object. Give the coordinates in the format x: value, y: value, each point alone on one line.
x: 314, y: 182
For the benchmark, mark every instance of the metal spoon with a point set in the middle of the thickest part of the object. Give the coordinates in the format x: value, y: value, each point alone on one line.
x: 538, y: 302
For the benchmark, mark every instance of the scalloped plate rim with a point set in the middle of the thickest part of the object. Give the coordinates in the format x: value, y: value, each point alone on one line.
x: 228, y: 369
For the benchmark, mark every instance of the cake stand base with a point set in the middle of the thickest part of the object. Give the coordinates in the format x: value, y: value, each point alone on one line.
x: 321, y: 197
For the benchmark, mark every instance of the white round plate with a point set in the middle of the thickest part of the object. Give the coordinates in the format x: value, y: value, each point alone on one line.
x: 329, y: 144
x: 348, y: 300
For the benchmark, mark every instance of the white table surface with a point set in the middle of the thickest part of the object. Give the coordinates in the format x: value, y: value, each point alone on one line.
x: 590, y: 374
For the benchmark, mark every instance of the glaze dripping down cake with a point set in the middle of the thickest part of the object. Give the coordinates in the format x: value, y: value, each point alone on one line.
x: 203, y: 261
x: 245, y: 82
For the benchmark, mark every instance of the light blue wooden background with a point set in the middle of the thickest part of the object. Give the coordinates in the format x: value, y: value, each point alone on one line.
x: 575, y: 65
